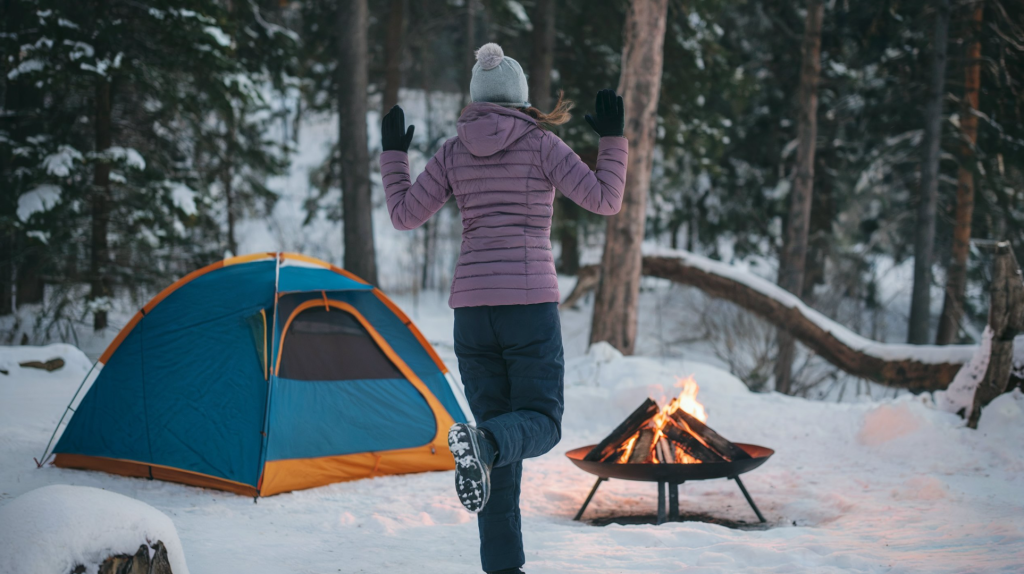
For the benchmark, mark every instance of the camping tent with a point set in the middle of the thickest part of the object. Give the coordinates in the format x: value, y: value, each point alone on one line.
x: 264, y: 374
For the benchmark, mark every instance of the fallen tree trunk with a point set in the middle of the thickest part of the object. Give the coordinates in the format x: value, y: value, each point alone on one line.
x: 912, y: 367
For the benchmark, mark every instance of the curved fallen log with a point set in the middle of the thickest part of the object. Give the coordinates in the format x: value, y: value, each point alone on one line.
x: 913, y: 367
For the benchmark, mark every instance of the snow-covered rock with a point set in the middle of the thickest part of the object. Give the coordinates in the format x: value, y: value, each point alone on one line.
x: 53, y: 529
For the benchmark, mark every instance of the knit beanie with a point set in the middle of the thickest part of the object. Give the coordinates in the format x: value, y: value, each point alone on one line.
x: 498, y: 79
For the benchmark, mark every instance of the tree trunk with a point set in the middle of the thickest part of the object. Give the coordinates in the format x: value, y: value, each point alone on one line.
x: 542, y: 56
x: 227, y: 180
x: 794, y: 248
x: 354, y: 154
x: 99, y: 254
x: 471, y: 47
x: 924, y: 242
x: 956, y: 278
x: 7, y: 274
x: 615, y: 307
x: 393, y: 49
x: 30, y: 287
x: 1006, y: 318
x: 569, y: 235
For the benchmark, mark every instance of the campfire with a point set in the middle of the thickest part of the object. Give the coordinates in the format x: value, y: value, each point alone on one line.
x: 669, y: 445
x: 675, y: 434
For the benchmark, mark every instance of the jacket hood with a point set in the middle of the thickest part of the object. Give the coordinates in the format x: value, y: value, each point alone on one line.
x: 485, y: 129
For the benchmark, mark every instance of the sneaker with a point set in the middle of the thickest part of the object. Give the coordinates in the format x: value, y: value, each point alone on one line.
x: 474, y: 457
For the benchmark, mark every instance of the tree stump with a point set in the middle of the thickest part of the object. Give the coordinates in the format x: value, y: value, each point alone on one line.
x: 1006, y: 318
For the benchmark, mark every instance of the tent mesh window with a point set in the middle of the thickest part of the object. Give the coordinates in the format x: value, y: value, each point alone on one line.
x: 331, y: 345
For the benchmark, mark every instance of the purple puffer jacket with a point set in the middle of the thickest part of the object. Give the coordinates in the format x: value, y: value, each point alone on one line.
x: 503, y: 169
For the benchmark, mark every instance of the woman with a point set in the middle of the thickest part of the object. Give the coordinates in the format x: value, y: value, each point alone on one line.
x: 503, y: 169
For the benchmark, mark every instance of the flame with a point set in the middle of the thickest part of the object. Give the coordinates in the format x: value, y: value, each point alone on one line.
x: 685, y: 401
x: 629, y: 448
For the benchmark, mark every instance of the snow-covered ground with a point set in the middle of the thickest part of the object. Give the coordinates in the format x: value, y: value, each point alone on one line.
x: 890, y: 485
x: 880, y: 481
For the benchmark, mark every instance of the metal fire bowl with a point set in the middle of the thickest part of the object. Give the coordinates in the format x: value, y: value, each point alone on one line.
x: 672, y: 473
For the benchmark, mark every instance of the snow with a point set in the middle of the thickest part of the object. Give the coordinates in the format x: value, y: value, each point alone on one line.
x: 59, y: 164
x: 55, y: 528
x: 890, y: 485
x: 183, y: 197
x: 959, y: 396
x: 37, y: 200
x: 26, y: 67
x: 928, y: 354
x: 129, y: 156
x: 218, y: 35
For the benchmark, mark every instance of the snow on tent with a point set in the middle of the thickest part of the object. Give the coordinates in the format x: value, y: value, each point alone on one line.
x: 264, y: 374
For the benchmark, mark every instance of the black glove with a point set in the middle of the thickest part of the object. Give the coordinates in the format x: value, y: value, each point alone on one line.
x: 610, y: 119
x: 393, y: 136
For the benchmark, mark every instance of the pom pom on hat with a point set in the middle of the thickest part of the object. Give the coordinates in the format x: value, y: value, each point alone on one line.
x: 490, y: 56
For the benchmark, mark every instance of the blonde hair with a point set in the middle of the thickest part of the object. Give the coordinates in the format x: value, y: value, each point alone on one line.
x: 555, y: 117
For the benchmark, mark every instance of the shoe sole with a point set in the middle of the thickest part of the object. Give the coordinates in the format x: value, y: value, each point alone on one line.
x: 472, y: 484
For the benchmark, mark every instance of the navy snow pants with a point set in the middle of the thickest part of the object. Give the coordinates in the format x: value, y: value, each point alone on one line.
x: 510, y: 358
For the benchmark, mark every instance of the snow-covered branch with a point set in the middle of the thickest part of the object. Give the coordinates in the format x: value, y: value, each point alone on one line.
x: 915, y: 367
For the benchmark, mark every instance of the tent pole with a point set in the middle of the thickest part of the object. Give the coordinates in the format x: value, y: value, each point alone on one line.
x: 42, y: 460
x: 270, y: 378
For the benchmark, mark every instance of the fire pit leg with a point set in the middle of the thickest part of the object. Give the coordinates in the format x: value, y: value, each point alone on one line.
x: 747, y: 496
x: 673, y: 501
x: 579, y: 514
x: 662, y: 487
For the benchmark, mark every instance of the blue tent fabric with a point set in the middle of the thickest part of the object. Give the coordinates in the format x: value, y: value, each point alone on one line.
x: 185, y: 389
x: 329, y: 418
x: 298, y: 279
x: 182, y: 382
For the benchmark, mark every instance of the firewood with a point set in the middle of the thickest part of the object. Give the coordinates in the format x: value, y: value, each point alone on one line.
x: 690, y: 444
x: 50, y: 366
x: 642, y: 448
x: 717, y: 442
x: 621, y: 434
x: 666, y: 452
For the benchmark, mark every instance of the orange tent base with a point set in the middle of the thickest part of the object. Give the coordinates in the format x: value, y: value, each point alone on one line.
x: 296, y: 474
x: 281, y: 475
x: 143, y: 470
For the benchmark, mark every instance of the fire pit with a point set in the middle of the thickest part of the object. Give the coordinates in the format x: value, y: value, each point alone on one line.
x: 669, y: 446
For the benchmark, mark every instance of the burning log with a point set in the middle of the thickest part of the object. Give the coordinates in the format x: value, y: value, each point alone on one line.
x: 614, y: 442
x: 712, y: 439
x: 643, y: 448
x: 665, y: 451
x: 690, y: 444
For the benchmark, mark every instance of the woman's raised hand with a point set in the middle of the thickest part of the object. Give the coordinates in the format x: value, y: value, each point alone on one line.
x: 393, y: 135
x: 609, y: 119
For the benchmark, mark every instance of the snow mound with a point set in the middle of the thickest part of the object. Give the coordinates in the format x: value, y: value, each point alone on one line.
x: 75, y: 360
x: 1004, y: 416
x: 888, y: 422
x: 52, y: 529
